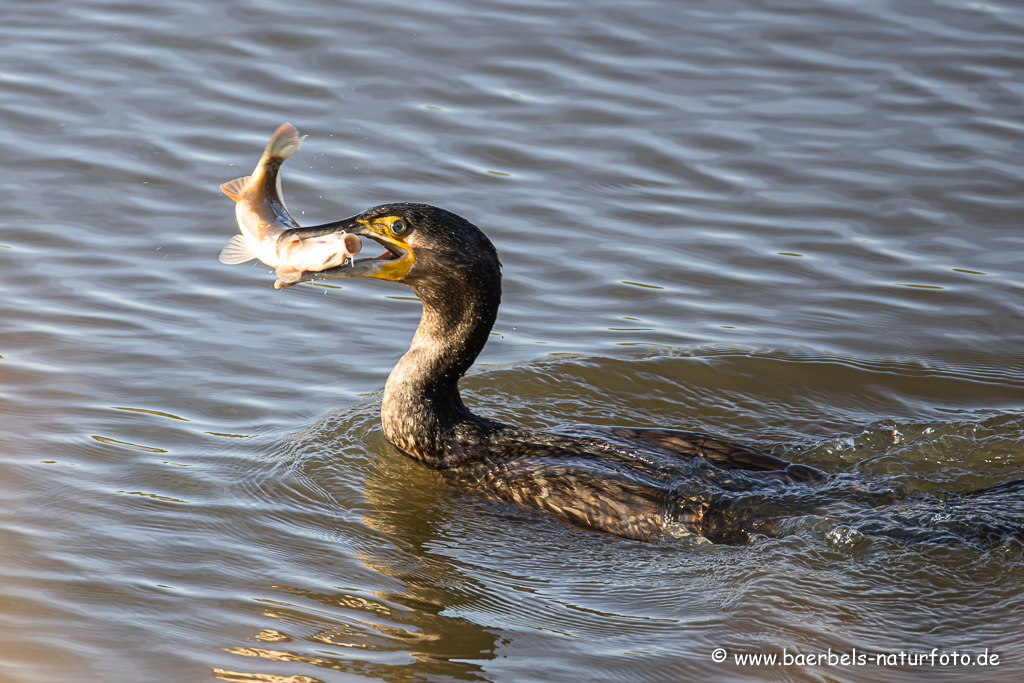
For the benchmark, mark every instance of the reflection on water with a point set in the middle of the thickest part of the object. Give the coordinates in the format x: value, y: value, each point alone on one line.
x: 791, y: 223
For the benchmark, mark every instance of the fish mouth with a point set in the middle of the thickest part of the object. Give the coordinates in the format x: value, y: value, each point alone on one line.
x: 393, y: 264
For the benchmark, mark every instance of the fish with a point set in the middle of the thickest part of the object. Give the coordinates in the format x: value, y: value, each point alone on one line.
x: 262, y: 217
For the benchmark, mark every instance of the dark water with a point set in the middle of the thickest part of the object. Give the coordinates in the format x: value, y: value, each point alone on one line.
x: 798, y: 224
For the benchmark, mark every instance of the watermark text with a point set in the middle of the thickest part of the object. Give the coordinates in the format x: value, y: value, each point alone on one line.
x: 855, y: 657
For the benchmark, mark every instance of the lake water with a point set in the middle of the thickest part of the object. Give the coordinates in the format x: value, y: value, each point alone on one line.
x: 795, y: 223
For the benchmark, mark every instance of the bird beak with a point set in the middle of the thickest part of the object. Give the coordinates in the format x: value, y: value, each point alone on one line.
x: 393, y: 264
x: 352, y: 225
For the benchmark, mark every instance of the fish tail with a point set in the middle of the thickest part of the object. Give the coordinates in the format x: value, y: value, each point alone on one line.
x: 285, y: 142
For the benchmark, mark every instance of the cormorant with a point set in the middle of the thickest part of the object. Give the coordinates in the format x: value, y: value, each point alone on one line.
x: 636, y: 483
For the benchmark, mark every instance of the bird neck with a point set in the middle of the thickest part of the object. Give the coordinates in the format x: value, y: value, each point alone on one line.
x: 422, y: 412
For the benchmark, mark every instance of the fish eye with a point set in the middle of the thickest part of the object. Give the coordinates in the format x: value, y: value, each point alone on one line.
x: 399, y: 227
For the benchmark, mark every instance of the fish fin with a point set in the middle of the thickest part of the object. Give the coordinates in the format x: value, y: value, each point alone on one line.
x: 353, y: 244
x: 289, y: 274
x: 236, y: 188
x: 285, y: 142
x: 236, y: 251
x: 284, y: 240
x: 278, y: 284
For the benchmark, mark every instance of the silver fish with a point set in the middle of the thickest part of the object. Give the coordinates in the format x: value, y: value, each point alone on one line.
x: 262, y: 217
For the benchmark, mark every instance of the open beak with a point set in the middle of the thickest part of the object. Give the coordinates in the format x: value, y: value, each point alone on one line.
x: 393, y: 264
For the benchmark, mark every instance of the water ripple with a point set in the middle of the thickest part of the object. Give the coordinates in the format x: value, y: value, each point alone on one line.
x: 791, y: 223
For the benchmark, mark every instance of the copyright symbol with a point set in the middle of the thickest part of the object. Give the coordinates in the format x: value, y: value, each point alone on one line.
x: 718, y: 654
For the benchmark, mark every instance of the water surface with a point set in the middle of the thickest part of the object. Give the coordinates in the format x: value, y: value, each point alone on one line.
x: 792, y: 223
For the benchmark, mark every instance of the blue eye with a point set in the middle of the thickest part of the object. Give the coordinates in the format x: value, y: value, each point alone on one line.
x: 399, y: 227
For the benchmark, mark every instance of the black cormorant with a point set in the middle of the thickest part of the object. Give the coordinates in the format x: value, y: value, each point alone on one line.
x: 636, y: 483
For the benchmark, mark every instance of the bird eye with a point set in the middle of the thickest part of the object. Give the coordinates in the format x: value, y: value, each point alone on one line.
x: 399, y: 227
